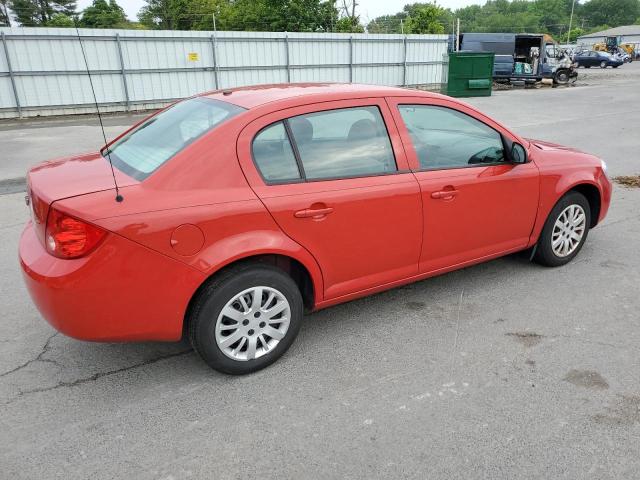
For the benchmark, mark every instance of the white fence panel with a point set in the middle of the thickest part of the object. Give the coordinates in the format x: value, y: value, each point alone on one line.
x: 42, y: 71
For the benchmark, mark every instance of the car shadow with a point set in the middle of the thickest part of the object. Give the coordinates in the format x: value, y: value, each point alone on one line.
x: 66, y: 362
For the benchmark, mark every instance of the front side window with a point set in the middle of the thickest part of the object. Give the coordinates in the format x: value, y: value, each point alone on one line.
x: 446, y: 138
x: 342, y: 143
x: 142, y: 151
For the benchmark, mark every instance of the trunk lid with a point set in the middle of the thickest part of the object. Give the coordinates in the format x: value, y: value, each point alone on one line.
x: 73, y: 176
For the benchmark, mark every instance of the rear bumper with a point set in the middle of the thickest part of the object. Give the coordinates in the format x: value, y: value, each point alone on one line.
x: 122, y: 291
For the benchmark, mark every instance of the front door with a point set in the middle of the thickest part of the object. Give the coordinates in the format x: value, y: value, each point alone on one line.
x: 335, y: 178
x: 476, y: 204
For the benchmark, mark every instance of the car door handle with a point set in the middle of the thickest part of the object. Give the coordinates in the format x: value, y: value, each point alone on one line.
x: 313, y: 212
x: 444, y: 194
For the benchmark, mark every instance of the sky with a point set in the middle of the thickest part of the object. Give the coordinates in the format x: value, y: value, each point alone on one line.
x: 368, y: 9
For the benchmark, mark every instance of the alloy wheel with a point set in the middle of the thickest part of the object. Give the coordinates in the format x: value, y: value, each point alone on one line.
x: 252, y: 323
x: 568, y: 230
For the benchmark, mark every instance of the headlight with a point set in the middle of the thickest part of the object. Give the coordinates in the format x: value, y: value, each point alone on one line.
x: 603, y: 164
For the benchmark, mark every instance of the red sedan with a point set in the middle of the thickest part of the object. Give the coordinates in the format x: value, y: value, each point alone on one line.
x: 240, y: 210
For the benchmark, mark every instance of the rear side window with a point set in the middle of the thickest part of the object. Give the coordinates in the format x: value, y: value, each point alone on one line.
x: 143, y: 150
x: 349, y: 142
x: 274, y: 156
x: 445, y: 138
x: 333, y: 144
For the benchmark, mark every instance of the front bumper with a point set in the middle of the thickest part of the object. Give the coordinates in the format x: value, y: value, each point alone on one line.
x: 606, y: 189
x: 122, y: 291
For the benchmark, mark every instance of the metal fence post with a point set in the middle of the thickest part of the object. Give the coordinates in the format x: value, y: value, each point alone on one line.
x: 286, y: 46
x: 11, y: 76
x: 123, y: 73
x: 351, y: 59
x: 215, y: 62
x: 404, y: 61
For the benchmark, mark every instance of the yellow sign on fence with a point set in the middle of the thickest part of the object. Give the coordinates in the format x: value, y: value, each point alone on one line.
x: 193, y: 57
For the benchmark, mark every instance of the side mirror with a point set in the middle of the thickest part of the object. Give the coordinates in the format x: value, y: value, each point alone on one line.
x: 518, y: 153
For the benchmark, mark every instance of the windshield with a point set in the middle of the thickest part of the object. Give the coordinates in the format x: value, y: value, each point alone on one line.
x: 142, y: 151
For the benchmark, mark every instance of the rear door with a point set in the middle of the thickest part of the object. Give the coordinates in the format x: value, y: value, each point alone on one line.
x: 476, y: 204
x: 335, y: 178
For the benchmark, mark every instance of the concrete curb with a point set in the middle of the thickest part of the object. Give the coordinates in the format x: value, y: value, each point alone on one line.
x: 13, y: 185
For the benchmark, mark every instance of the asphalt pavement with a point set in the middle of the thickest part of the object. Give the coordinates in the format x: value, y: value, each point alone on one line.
x: 503, y: 370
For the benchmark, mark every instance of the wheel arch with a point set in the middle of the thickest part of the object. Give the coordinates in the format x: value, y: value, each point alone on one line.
x: 556, y: 191
x: 593, y: 196
x: 308, y: 280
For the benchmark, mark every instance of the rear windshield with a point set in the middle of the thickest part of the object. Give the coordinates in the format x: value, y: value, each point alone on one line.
x: 142, y: 151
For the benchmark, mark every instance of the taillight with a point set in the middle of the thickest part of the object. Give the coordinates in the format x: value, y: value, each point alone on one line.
x: 68, y: 237
x: 39, y: 210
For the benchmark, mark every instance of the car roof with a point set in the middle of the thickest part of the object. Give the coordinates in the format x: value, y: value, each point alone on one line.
x: 253, y: 96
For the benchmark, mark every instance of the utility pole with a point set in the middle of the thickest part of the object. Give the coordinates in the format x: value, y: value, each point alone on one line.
x: 570, y: 20
x: 457, y: 34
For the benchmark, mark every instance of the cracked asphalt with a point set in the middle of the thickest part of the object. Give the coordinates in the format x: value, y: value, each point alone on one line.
x: 503, y: 370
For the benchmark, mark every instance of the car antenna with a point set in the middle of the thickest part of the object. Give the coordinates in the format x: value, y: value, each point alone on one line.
x: 119, y: 197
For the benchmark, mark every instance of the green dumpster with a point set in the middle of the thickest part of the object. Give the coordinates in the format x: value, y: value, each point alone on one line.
x: 470, y: 74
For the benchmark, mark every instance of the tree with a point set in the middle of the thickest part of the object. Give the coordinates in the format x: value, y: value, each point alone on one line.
x: 5, y: 19
x: 424, y: 18
x: 349, y: 25
x: 388, y: 23
x: 514, y: 16
x: 103, y: 14
x: 31, y: 13
x: 252, y: 15
x: 573, y: 35
x: 611, y: 12
x: 61, y: 20
x: 552, y: 15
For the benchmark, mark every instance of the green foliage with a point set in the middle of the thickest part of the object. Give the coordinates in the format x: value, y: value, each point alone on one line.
x: 597, y: 28
x: 103, y: 14
x: 415, y: 18
x: 424, y: 18
x: 60, y: 20
x: 388, y: 23
x: 252, y: 15
x: 611, y: 12
x: 573, y: 35
x: 348, y: 25
x: 516, y: 16
x: 31, y: 13
x: 535, y: 16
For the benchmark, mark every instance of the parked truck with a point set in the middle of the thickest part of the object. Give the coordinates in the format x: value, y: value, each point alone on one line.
x: 522, y: 56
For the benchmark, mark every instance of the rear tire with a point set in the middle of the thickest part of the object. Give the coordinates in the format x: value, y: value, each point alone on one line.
x: 567, y: 226
x: 230, y: 324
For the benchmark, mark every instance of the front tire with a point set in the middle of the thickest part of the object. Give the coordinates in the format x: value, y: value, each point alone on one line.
x: 565, y: 231
x: 246, y: 319
x: 562, y: 77
x: 603, y: 64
